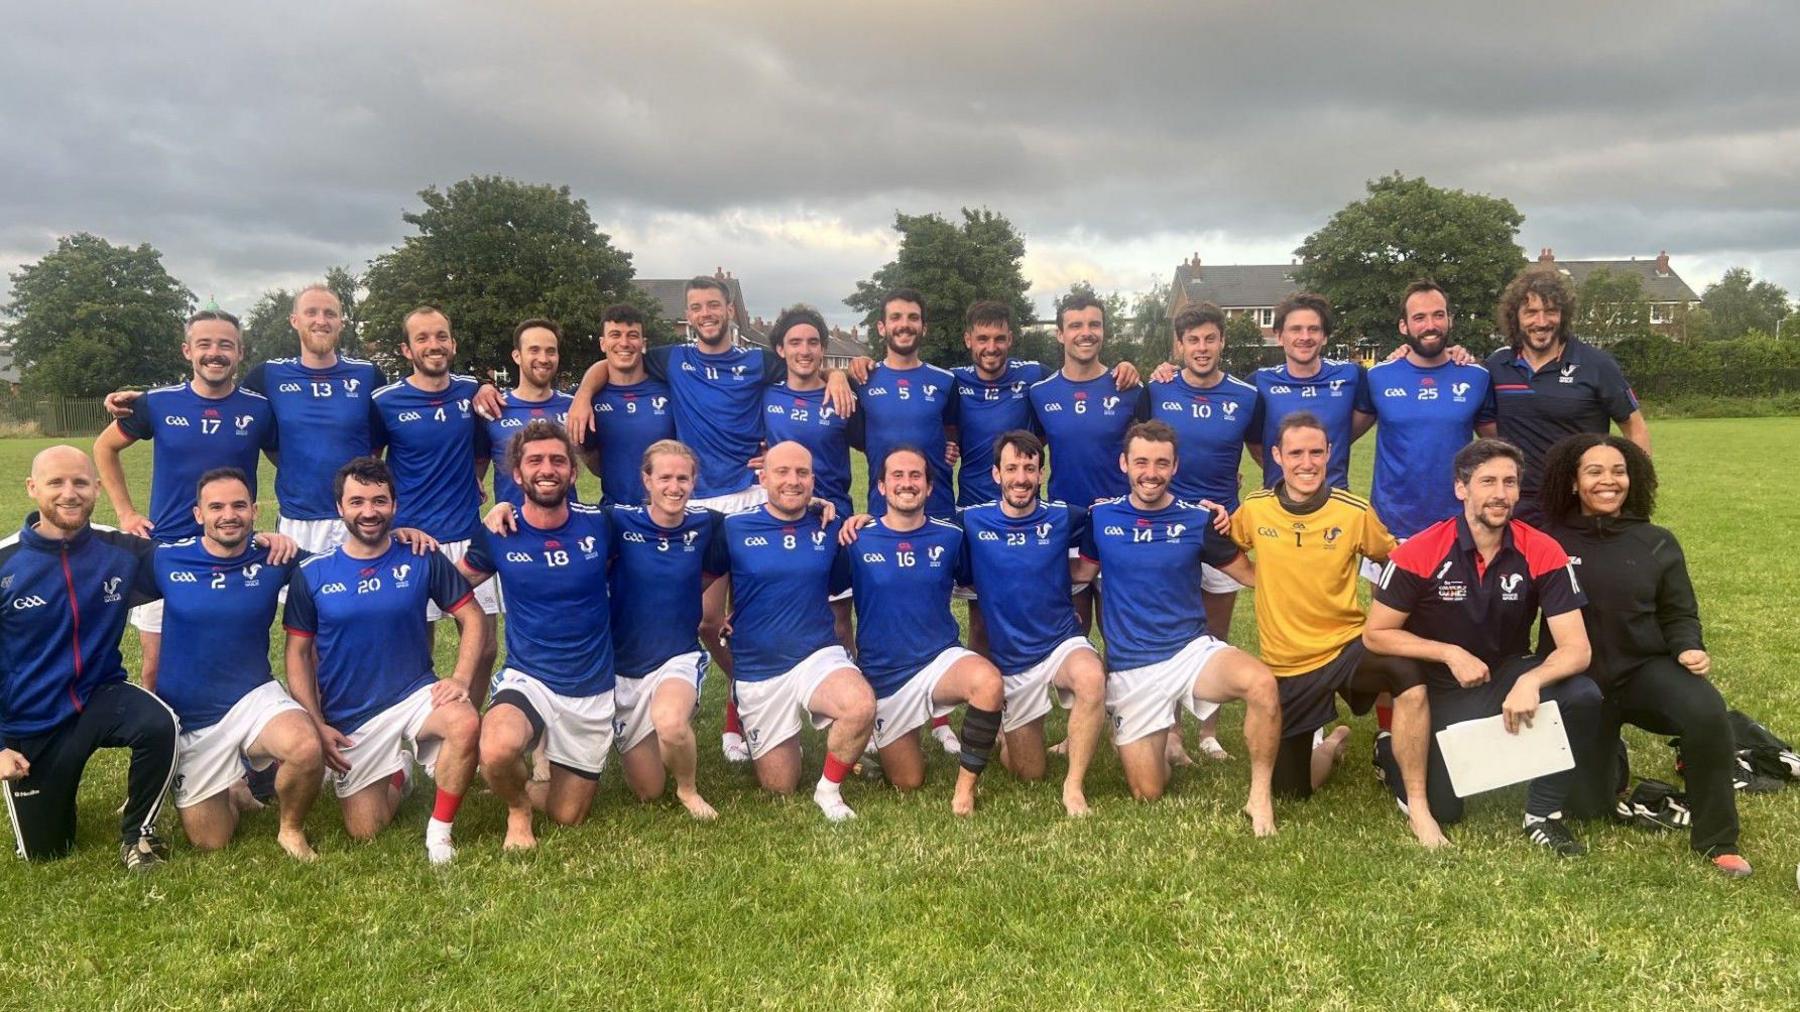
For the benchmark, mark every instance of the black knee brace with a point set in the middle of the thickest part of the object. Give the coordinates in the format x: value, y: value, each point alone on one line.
x: 979, y: 729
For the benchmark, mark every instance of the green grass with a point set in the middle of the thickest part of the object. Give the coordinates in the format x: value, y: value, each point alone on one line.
x: 1141, y: 906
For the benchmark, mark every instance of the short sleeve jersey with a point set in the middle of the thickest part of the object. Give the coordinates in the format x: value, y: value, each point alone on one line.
x: 433, y: 438
x: 515, y: 411
x: 782, y: 572
x: 718, y: 408
x: 657, y: 578
x: 1020, y: 567
x: 1426, y: 414
x: 1211, y: 426
x: 1084, y: 423
x: 322, y: 417
x: 1450, y: 595
x: 192, y: 435
x: 807, y: 417
x: 1581, y: 391
x: 903, y: 581
x: 558, y: 618
x: 1307, y: 572
x: 1335, y: 393
x: 985, y: 409
x: 627, y: 419
x: 367, y: 617
x: 910, y: 407
x: 1151, y: 607
x: 216, y: 618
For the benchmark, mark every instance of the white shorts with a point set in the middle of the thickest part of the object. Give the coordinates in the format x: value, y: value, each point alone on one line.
x: 148, y: 617
x: 1212, y: 581
x: 910, y: 707
x: 375, y: 752
x: 771, y: 709
x: 1141, y: 701
x: 843, y: 595
x: 962, y: 593
x: 734, y: 502
x: 314, y: 535
x: 1076, y: 589
x: 1028, y: 692
x: 578, y: 730
x: 631, y: 698
x: 487, y: 595
x: 211, y: 759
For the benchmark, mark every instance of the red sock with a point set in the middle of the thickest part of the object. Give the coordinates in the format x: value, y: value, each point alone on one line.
x: 836, y: 769
x: 398, y: 780
x: 1384, y: 716
x: 937, y: 722
x: 444, y: 810
x: 732, y: 724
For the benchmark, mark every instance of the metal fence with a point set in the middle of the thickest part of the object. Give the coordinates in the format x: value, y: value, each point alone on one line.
x: 56, y: 416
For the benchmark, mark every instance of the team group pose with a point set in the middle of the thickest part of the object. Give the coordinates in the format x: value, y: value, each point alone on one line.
x: 1507, y: 540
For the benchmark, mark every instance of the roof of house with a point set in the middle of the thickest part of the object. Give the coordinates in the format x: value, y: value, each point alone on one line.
x: 671, y: 297
x: 1236, y: 286
x: 1661, y: 283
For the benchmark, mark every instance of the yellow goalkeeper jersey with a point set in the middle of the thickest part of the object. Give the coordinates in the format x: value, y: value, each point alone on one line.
x: 1306, y: 571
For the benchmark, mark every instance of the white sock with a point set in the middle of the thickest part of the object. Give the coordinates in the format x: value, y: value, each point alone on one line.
x: 437, y: 831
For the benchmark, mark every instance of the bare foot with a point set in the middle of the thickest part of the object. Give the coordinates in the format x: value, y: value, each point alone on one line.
x: 1175, y: 754
x: 540, y: 765
x: 963, y: 801
x: 518, y: 831
x: 1430, y: 835
x: 1061, y: 747
x: 242, y: 799
x: 1262, y: 818
x: 1339, y: 742
x: 296, y: 844
x: 696, y: 805
x: 1075, y: 802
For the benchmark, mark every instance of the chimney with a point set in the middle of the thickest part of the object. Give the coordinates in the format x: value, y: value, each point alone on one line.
x: 719, y: 272
x: 1546, y: 255
x: 1662, y: 264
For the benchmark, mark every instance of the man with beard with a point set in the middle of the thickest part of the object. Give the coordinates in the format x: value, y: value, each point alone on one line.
x: 1462, y: 596
x: 783, y: 564
x: 631, y: 412
x: 1429, y: 407
x: 903, y: 565
x: 716, y: 390
x: 537, y: 354
x: 359, y: 661
x: 1017, y: 550
x: 909, y: 403
x: 204, y: 423
x: 557, y: 684
x: 1150, y: 547
x: 1548, y: 383
x: 1335, y: 392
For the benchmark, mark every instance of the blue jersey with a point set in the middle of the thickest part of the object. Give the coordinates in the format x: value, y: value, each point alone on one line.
x: 216, y: 618
x: 1084, y: 425
x: 433, y: 440
x: 1334, y: 393
x: 193, y: 435
x: 515, y: 411
x: 558, y: 627
x: 368, y: 619
x: 627, y: 419
x: 1211, y: 426
x: 910, y: 407
x: 657, y: 577
x: 903, y: 581
x: 1425, y: 416
x: 1020, y: 567
x: 322, y: 416
x: 1151, y: 606
x: 807, y: 418
x: 62, y: 609
x: 718, y: 408
x: 984, y: 410
x: 782, y: 572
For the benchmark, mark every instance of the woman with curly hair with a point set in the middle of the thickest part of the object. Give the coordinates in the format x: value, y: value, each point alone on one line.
x: 1643, y: 625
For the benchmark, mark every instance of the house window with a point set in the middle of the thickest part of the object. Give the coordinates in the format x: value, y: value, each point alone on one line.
x: 1662, y: 312
x: 1266, y: 317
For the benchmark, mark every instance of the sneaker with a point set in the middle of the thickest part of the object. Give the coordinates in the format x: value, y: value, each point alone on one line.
x: 947, y: 738
x: 144, y: 853
x: 1732, y: 865
x: 1654, y: 805
x: 1551, y: 834
x: 732, y: 744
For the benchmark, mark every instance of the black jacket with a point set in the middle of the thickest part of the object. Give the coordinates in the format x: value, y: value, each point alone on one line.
x: 1640, y: 602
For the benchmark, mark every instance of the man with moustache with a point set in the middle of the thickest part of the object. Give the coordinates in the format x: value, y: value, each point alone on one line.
x: 630, y: 413
x: 1334, y: 392
x: 1462, y: 596
x: 1017, y: 550
x: 196, y: 426
x: 909, y: 403
x: 1150, y: 545
x: 359, y: 661
x: 1548, y: 383
x: 537, y: 353
x: 783, y: 563
x: 557, y: 684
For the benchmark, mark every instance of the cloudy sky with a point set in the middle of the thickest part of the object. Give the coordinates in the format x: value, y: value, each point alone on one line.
x: 256, y: 144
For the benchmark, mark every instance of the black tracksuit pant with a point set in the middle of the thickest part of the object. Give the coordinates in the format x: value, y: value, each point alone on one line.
x: 117, y: 715
x: 1663, y: 697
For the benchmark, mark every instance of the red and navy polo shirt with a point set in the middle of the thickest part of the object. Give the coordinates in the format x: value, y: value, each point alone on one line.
x: 1582, y: 390
x: 1439, y: 580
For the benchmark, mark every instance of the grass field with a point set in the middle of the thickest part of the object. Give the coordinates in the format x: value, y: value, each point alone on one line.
x: 1141, y: 906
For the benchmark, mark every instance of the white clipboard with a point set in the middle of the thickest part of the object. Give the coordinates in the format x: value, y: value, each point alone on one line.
x: 1481, y: 756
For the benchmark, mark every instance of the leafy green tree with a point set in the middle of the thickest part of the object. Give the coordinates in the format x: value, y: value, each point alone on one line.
x: 1611, y: 305
x: 91, y: 316
x: 952, y: 264
x: 492, y: 251
x: 1738, y: 303
x: 1405, y: 229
